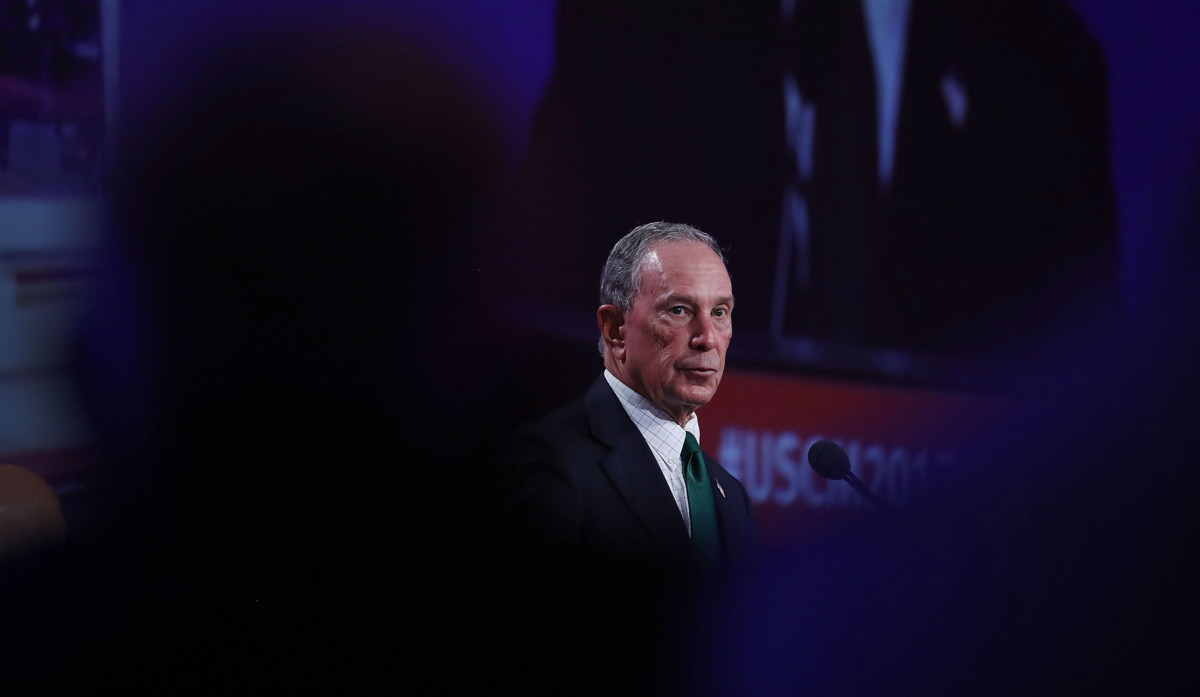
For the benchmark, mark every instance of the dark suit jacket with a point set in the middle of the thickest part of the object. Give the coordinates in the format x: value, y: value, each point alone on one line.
x: 584, y: 483
x: 596, y: 548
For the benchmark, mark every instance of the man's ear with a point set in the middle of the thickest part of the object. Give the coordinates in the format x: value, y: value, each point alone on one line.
x: 612, y: 329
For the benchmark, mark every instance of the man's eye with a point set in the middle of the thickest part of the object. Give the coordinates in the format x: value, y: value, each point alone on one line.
x: 678, y: 310
x: 720, y: 312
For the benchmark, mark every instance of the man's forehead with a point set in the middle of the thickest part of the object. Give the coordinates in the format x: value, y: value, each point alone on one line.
x: 653, y: 262
x: 673, y: 255
x: 684, y: 271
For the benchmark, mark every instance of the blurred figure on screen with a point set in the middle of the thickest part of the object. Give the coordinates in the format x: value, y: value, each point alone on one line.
x: 278, y: 376
x: 924, y: 175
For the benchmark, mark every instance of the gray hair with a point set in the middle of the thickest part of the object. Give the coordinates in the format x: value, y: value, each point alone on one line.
x: 621, y: 279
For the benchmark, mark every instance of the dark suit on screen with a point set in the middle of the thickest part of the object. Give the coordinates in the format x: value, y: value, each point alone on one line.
x: 999, y: 220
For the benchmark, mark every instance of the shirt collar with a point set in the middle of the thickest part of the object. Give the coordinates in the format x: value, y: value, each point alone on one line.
x: 649, y: 417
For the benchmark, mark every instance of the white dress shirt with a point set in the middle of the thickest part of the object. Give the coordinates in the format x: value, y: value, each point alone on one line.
x: 664, y: 436
x: 887, y: 30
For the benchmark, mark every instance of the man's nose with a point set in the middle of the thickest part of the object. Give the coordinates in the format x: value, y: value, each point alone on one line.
x: 704, y: 333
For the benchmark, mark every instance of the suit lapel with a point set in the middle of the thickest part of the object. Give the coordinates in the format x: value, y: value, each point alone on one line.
x: 634, y: 472
x: 731, y: 520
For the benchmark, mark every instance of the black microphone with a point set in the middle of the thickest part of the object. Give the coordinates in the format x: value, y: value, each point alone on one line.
x: 831, y: 462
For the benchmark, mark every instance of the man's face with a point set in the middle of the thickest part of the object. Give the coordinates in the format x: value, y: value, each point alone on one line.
x: 676, y: 334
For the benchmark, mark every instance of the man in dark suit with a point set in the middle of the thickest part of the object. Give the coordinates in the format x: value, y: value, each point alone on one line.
x: 934, y: 180
x: 614, y: 486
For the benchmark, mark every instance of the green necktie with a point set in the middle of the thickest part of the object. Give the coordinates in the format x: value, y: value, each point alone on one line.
x: 700, y: 502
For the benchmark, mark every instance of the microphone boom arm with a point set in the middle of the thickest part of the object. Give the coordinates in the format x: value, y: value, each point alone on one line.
x: 879, y: 504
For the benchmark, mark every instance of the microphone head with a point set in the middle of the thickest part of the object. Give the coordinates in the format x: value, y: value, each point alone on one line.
x: 829, y: 460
